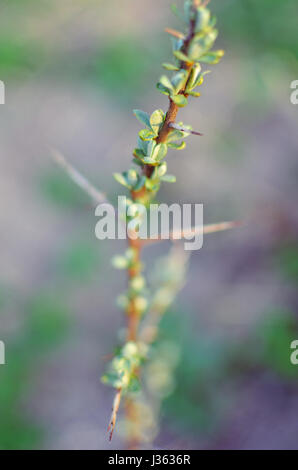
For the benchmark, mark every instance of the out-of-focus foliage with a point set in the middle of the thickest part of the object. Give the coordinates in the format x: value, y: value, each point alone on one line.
x: 18, y: 58
x: 45, y: 326
x: 121, y: 67
x: 287, y: 261
x: 80, y: 261
x: 263, y: 25
x: 274, y: 335
x: 61, y: 191
x: 209, y: 363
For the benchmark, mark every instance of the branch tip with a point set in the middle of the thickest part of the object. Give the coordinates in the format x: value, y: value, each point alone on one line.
x: 173, y: 125
x: 114, y: 414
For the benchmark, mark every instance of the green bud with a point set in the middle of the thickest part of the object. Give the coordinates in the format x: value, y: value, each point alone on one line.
x: 137, y: 283
x: 141, y: 304
x: 120, y: 262
x: 130, y: 349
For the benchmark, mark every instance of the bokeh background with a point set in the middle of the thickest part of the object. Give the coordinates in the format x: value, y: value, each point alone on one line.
x: 74, y: 70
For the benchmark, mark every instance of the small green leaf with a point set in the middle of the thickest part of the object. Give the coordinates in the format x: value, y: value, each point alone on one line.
x: 138, y: 162
x: 177, y: 44
x: 196, y: 51
x: 166, y: 83
x: 179, y: 80
x: 179, y: 100
x: 142, y: 117
x: 174, y: 136
x: 212, y: 57
x: 169, y: 66
x: 146, y: 134
x: 120, y: 178
x: 180, y: 146
x: 194, y: 75
x: 203, y: 18
x: 188, y: 10
x: 157, y: 120
x: 132, y: 177
x: 169, y: 178
x: 143, y: 145
x: 181, y: 56
x: 138, y: 153
x: 150, y: 148
x: 152, y: 185
x: 194, y: 93
x: 160, y: 152
x: 209, y: 39
x: 199, y: 80
x: 162, y: 169
x: 212, y: 22
x: 163, y: 89
x: 140, y: 184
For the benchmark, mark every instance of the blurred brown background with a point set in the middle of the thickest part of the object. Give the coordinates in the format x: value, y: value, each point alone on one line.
x: 73, y: 71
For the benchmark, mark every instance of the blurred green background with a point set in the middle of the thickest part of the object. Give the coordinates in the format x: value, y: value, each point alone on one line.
x: 73, y: 71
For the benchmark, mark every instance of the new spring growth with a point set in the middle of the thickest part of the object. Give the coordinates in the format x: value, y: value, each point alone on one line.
x: 192, y: 50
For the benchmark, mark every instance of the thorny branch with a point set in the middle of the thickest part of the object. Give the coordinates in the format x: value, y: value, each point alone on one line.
x: 134, y: 316
x: 149, y: 330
